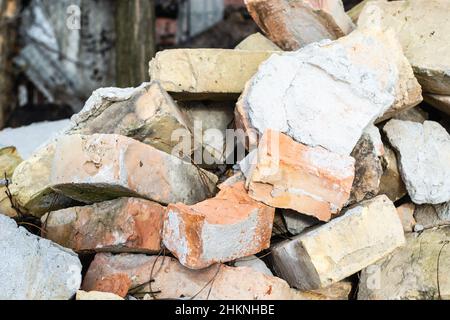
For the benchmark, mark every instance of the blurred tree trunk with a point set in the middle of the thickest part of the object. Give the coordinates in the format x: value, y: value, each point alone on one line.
x: 135, y: 41
x: 9, y: 10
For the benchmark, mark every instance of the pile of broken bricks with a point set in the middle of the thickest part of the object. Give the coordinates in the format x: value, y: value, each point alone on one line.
x: 343, y: 190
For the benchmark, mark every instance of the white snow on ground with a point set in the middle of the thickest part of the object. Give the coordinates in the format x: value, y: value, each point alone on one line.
x: 28, y: 139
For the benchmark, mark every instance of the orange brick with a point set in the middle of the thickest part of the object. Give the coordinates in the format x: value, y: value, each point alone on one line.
x: 122, y: 225
x: 227, y: 227
x: 290, y: 175
x: 119, y: 273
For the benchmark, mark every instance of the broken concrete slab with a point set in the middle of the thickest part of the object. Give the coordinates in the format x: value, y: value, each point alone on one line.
x: 122, y: 225
x: 368, y: 166
x: 294, y: 24
x: 257, y: 42
x: 32, y: 268
x: 120, y: 274
x: 422, y: 27
x: 406, y: 214
x: 411, y: 272
x: 205, y: 74
x: 440, y: 102
x: 424, y: 153
x: 311, y: 80
x: 290, y: 175
x: 254, y: 263
x: 103, y: 167
x: 146, y: 113
x: 297, y: 223
x: 340, y: 248
x: 243, y: 226
x: 97, y: 296
x: 391, y: 183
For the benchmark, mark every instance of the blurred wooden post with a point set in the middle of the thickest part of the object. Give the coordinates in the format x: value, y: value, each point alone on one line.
x: 135, y: 41
x: 9, y: 10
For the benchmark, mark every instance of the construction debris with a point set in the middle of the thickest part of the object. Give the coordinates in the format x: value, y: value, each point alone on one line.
x: 147, y: 114
x: 103, y: 167
x: 309, y: 180
x: 205, y: 74
x: 32, y: 268
x: 122, y: 225
x: 243, y: 225
x: 250, y: 173
x: 422, y: 27
x: 414, y: 272
x: 340, y: 248
x: 424, y: 150
x: 294, y: 24
x: 294, y: 83
x: 122, y: 274
x: 257, y: 42
x: 391, y: 183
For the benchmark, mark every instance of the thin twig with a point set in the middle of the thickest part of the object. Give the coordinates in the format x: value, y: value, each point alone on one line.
x: 437, y: 271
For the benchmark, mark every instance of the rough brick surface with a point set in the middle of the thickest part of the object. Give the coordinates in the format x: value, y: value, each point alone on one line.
x: 118, y: 274
x: 122, y: 225
x: 227, y: 227
x: 290, y: 175
x: 294, y: 24
x: 103, y: 167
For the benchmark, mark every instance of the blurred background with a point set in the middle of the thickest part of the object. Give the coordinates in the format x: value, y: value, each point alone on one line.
x: 54, y: 53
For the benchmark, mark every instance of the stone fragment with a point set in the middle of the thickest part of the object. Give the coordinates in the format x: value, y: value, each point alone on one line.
x: 294, y: 24
x: 411, y: 272
x: 297, y: 223
x: 32, y: 268
x: 257, y: 42
x: 254, y: 263
x: 424, y: 157
x: 31, y: 187
x: 422, y: 27
x: 368, y: 166
x: 406, y: 214
x: 205, y: 74
x: 337, y: 291
x: 102, y: 167
x: 430, y: 216
x: 222, y: 229
x: 9, y: 160
x: 391, y: 183
x: 354, y: 12
x: 440, y: 102
x: 340, y: 248
x: 290, y: 175
x: 415, y: 115
x: 146, y: 113
x: 366, y: 70
x: 122, y: 225
x: 96, y: 296
x: 120, y: 273
x: 279, y: 226
x: 210, y: 121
